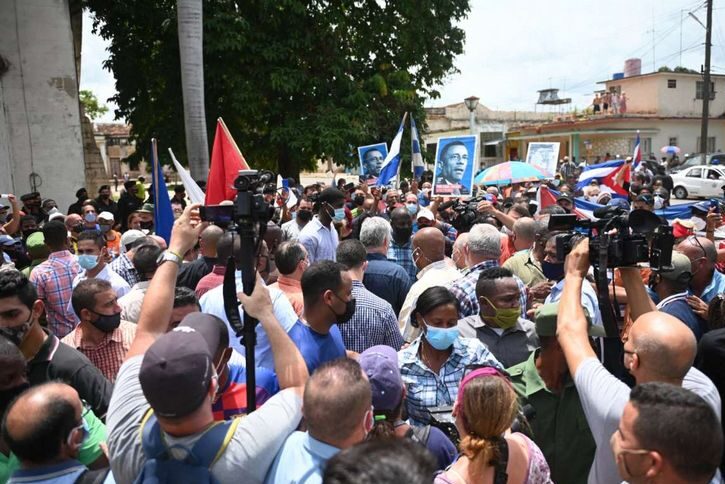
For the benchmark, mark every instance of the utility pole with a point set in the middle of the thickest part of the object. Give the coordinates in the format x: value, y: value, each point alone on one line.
x: 706, y: 79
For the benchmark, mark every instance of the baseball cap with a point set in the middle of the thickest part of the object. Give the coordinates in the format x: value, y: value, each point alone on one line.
x: 426, y: 214
x: 178, y: 363
x: 646, y: 198
x: 209, y: 327
x: 565, y: 196
x: 106, y: 216
x: 331, y: 195
x: 380, y: 364
x: 35, y: 243
x: 146, y: 208
x: 6, y: 240
x: 56, y: 216
x: 618, y: 202
x: 545, y: 321
x: 682, y: 268
x: 131, y: 236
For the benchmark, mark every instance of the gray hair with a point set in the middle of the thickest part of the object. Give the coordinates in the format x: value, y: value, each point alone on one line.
x: 374, y: 232
x: 525, y: 228
x: 484, y: 241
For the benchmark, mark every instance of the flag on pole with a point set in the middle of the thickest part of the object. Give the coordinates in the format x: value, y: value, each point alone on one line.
x: 637, y: 154
x: 605, y: 174
x: 392, y: 161
x: 163, y: 215
x: 196, y: 194
x: 226, y: 161
x: 416, y: 158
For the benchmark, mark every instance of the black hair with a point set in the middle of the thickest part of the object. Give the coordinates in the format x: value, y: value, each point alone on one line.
x: 447, y: 147
x: 93, y: 235
x: 144, y: 260
x: 351, y: 253
x: 386, y: 461
x: 321, y: 276
x: 487, y: 279
x: 430, y: 299
x: 691, y: 441
x: 183, y: 296
x: 27, y: 218
x: 14, y: 283
x: 179, y: 189
x: 129, y: 185
x: 288, y: 255
x: 81, y: 191
x: 522, y: 210
x: 225, y: 247
x: 43, y: 435
x: 84, y: 294
x: 103, y: 187
x: 55, y: 235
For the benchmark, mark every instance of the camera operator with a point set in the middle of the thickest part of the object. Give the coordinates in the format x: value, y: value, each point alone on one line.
x: 660, y: 348
x: 707, y: 282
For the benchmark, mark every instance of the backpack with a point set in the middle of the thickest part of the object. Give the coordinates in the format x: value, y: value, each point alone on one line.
x: 161, y: 468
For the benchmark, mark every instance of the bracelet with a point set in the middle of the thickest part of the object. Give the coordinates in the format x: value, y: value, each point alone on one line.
x: 175, y: 254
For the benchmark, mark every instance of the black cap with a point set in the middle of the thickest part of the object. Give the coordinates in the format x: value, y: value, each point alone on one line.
x: 29, y: 196
x: 176, y: 372
x: 565, y: 196
x: 331, y: 195
x: 81, y: 191
x: 646, y: 198
x: 211, y: 328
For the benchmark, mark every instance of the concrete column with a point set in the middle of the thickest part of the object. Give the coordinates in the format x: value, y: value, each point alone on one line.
x: 574, y: 147
x: 39, y: 95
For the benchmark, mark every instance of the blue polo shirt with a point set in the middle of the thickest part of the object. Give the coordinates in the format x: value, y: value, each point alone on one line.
x: 317, y: 348
x: 716, y: 286
x: 64, y: 473
x: 301, y: 459
x: 387, y: 280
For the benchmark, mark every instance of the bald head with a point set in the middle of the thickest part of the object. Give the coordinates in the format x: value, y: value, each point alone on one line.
x: 431, y: 245
x: 703, y: 257
x: 38, y: 424
x: 665, y: 347
x: 209, y: 239
x: 160, y: 241
x: 524, y: 233
x: 71, y: 220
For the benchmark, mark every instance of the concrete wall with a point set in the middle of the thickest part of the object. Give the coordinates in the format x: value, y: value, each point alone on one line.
x: 41, y: 130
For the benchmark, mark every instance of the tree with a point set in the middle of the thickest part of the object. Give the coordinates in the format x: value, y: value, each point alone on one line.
x: 294, y: 80
x: 192, y: 82
x: 92, y: 107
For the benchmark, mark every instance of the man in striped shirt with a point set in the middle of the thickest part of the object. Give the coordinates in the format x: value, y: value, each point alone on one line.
x: 53, y: 279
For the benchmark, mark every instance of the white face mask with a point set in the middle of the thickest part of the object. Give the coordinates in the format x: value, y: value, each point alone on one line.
x: 659, y: 202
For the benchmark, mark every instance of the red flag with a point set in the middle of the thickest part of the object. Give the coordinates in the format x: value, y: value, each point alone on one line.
x: 226, y: 161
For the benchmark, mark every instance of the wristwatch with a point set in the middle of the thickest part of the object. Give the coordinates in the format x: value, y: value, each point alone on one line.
x: 167, y: 255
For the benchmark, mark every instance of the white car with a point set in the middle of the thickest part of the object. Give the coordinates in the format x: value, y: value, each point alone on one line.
x: 699, y: 181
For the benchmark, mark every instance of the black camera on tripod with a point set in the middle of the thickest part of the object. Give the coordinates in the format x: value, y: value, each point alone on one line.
x: 641, y: 236
x: 249, y: 203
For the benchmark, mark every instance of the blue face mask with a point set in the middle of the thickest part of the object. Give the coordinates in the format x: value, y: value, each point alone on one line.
x: 339, y: 214
x: 412, y: 208
x: 441, y: 338
x: 87, y: 262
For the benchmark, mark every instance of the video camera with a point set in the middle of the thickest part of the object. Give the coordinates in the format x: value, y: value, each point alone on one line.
x: 248, y: 217
x: 467, y: 214
x: 640, y: 236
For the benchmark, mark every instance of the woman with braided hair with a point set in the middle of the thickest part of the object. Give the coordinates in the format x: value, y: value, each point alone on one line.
x: 485, y: 409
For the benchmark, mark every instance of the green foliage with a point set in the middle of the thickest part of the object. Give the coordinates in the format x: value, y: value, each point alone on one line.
x: 294, y: 80
x: 92, y: 107
x: 685, y: 69
x: 664, y: 69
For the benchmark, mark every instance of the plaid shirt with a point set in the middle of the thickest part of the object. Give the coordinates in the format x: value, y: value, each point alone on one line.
x: 108, y: 355
x: 123, y: 266
x: 464, y: 289
x: 403, y: 256
x: 54, y: 281
x: 426, y: 389
x: 374, y: 322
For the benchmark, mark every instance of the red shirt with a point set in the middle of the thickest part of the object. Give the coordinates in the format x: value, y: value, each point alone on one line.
x: 210, y: 281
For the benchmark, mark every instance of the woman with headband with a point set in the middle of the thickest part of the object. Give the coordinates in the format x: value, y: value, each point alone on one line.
x: 432, y: 366
x: 485, y: 409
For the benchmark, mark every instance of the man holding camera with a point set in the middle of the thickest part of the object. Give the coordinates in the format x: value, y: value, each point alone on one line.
x: 659, y: 348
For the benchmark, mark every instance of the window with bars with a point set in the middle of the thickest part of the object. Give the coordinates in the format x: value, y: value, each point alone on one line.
x: 710, y: 144
x: 699, y: 87
x: 672, y: 83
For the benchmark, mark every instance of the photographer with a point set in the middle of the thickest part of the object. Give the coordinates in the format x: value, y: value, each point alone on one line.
x: 659, y: 348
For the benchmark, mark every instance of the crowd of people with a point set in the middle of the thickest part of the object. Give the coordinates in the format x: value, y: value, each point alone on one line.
x: 402, y: 338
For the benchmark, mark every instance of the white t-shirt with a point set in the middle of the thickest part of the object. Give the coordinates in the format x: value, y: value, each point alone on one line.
x: 248, y: 456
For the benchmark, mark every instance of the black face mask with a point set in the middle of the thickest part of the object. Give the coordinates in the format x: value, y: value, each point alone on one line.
x: 28, y: 233
x: 77, y: 229
x: 8, y: 395
x: 359, y: 200
x: 349, y: 311
x: 402, y: 236
x: 106, y: 322
x: 147, y: 225
x: 304, y: 215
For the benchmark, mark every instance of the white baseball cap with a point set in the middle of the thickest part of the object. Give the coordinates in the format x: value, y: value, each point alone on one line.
x: 426, y: 214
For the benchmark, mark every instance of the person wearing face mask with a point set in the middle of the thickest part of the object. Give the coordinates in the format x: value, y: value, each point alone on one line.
x: 48, y: 360
x: 113, y: 239
x: 50, y: 449
x: 543, y: 382
x: 101, y: 335
x: 499, y: 324
x: 91, y: 255
x: 687, y: 450
x: 300, y: 217
x: 31, y: 206
x: 104, y: 202
x: 439, y: 356
x: 337, y: 408
x: 400, y: 250
x: 411, y: 204
x: 356, y: 203
x: 319, y: 236
x: 28, y: 226
x: 146, y: 214
x: 90, y: 216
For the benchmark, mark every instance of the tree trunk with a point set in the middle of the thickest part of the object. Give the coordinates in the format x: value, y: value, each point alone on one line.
x: 191, y: 53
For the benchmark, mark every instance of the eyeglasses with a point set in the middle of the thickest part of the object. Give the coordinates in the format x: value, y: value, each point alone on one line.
x: 694, y: 241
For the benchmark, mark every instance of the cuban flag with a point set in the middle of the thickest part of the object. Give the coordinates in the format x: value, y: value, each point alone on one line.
x: 416, y: 159
x: 163, y: 215
x: 637, y: 154
x: 392, y: 161
x: 604, y: 174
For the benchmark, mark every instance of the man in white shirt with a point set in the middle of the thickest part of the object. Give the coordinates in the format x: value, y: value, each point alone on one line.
x: 434, y: 269
x: 145, y: 261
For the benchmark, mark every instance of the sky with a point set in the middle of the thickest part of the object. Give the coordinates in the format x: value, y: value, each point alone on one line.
x: 517, y: 47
